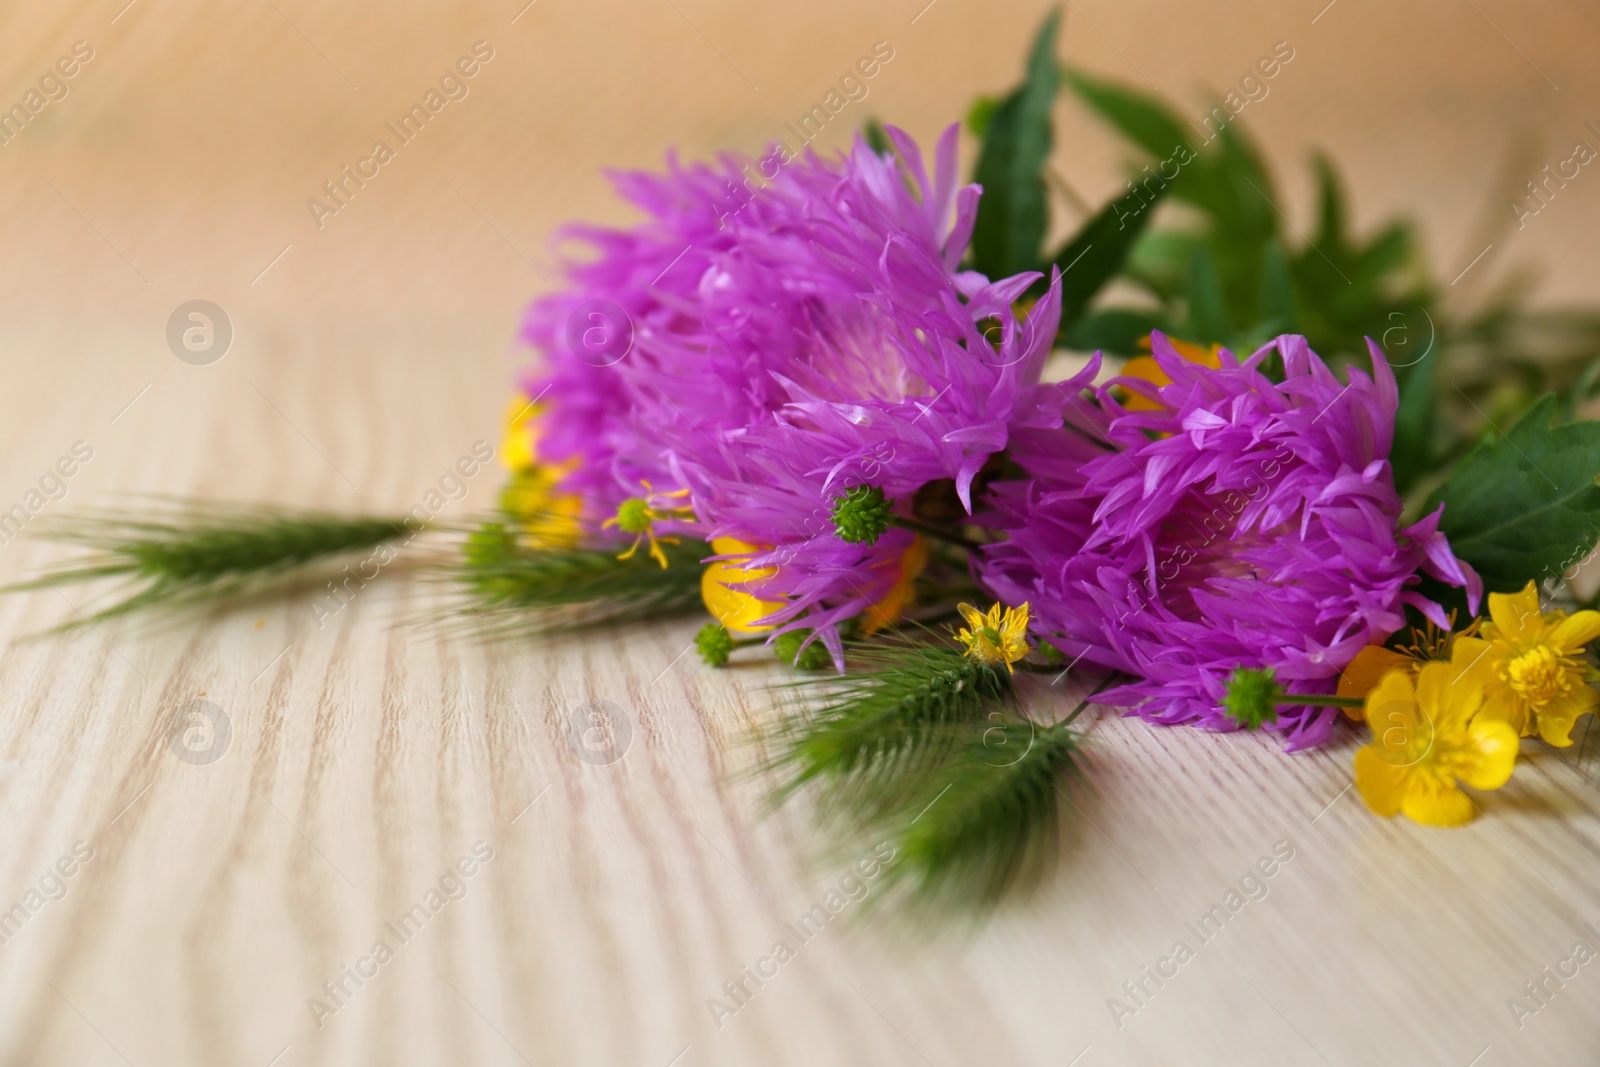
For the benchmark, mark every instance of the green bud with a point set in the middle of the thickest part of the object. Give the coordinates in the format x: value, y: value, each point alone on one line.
x: 787, y: 646
x: 714, y: 644
x: 1253, y: 697
x: 633, y: 515
x: 861, y: 515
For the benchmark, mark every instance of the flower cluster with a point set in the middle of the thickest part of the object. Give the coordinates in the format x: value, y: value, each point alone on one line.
x: 858, y: 427
x: 1439, y: 720
x: 822, y: 340
x: 1226, y: 521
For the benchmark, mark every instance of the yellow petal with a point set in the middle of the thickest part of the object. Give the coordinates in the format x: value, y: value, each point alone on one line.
x: 1370, y: 664
x: 1437, y: 804
x: 975, y: 618
x: 1147, y: 368
x: 1514, y: 614
x: 1494, y: 744
x: 1558, y: 716
x: 1504, y: 706
x: 1476, y: 655
x: 1449, y: 695
x: 1381, y: 783
x: 519, y: 444
x: 1572, y: 633
x: 734, y: 608
x: 1391, y: 712
x: 887, y: 611
x: 1015, y: 625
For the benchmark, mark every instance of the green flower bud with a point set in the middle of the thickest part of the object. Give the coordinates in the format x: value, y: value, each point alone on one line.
x: 714, y: 644
x: 861, y: 515
x: 633, y: 515
x: 787, y: 646
x: 1253, y: 697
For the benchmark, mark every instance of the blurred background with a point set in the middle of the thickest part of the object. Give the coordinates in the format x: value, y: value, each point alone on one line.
x: 179, y: 163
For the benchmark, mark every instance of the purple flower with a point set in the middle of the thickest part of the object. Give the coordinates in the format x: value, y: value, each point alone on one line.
x: 790, y: 341
x: 1243, y: 523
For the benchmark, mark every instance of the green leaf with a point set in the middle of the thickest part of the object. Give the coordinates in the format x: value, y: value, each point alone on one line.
x: 1331, y: 214
x: 877, y: 140
x: 1251, y: 213
x: 981, y: 114
x: 1013, y: 214
x: 1208, y: 313
x: 1579, y: 392
x: 1116, y: 331
x: 1526, y: 506
x: 1412, y: 454
x: 1097, y: 252
x: 1277, y: 291
x: 1144, y: 120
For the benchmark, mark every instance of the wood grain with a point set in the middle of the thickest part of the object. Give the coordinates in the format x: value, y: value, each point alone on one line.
x: 368, y: 756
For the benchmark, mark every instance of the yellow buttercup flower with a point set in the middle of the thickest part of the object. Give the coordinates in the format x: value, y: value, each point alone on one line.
x: 1364, y: 672
x: 1428, y: 734
x: 1001, y: 636
x: 735, y: 609
x: 1530, y: 665
x: 547, y: 517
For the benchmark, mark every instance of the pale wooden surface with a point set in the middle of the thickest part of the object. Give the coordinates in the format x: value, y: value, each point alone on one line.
x: 366, y: 758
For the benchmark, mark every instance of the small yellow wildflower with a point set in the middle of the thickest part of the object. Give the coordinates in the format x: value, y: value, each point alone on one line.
x: 1427, y: 734
x: 519, y: 446
x: 639, y: 514
x: 735, y: 609
x: 1530, y: 665
x: 547, y: 516
x: 996, y: 638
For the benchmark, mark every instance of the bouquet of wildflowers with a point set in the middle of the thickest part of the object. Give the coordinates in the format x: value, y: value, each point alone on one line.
x: 860, y: 417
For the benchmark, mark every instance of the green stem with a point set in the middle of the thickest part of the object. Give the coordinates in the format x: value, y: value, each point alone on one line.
x: 936, y: 532
x: 1316, y: 701
x: 1096, y: 691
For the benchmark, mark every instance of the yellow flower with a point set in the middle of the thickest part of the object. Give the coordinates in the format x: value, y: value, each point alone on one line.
x: 1530, y: 665
x: 638, y: 515
x: 1147, y: 368
x: 996, y: 638
x: 547, y: 517
x: 887, y: 611
x: 519, y: 445
x: 1368, y: 668
x: 1431, y: 643
x: 1428, y: 734
x: 735, y: 609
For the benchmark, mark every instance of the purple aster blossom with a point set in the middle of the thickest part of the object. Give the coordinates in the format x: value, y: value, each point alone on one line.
x: 1245, y: 523
x: 790, y: 342
x: 728, y: 286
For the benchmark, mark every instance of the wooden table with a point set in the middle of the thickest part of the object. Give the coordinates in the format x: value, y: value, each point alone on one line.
x: 200, y: 907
